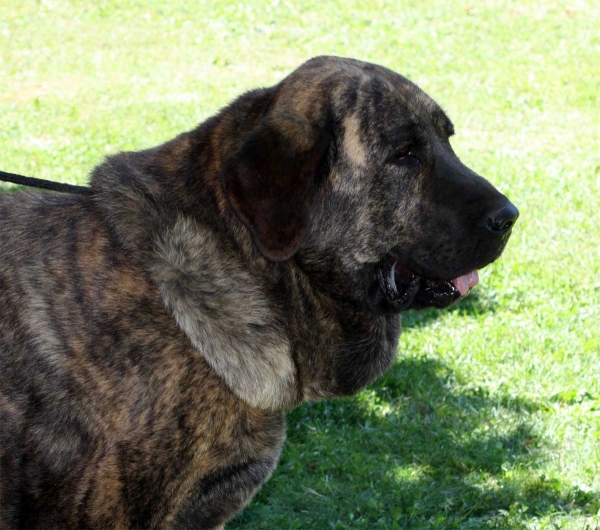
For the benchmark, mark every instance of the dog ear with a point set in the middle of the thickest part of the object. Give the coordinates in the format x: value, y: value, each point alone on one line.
x: 271, y: 180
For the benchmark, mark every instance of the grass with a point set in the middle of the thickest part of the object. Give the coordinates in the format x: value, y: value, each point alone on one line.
x: 490, y: 417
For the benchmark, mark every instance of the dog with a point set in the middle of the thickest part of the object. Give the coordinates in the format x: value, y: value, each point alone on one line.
x: 154, y: 332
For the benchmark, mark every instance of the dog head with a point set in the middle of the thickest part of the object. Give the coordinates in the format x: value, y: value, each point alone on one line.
x: 347, y: 167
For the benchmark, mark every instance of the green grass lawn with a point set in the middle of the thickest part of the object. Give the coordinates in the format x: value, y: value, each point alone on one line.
x: 490, y: 417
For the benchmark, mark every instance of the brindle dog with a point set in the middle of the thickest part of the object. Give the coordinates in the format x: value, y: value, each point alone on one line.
x: 153, y: 333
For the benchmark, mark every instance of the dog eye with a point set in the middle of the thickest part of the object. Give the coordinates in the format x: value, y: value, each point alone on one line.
x: 404, y: 154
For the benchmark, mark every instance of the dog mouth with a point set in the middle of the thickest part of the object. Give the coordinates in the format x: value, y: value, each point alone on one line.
x: 404, y: 289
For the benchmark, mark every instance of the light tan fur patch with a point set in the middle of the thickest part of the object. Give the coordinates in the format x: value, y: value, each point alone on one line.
x: 352, y: 142
x: 218, y: 303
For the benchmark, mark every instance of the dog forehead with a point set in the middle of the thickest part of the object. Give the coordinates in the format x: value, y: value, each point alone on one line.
x: 390, y: 100
x: 374, y: 95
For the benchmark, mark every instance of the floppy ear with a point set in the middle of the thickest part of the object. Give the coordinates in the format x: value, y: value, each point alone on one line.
x: 270, y: 181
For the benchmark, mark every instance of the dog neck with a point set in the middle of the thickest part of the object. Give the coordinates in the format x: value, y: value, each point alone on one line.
x: 260, y: 326
x: 200, y: 264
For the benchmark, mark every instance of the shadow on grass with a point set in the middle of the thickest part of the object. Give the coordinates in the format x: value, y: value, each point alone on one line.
x: 477, y: 302
x: 412, y: 452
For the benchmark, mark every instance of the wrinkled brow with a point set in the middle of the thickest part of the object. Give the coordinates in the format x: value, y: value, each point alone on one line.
x: 400, y: 134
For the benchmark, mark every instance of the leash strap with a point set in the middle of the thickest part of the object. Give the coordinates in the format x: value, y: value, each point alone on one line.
x: 43, y: 184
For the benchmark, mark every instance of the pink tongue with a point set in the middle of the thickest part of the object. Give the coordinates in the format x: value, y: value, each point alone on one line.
x: 464, y: 283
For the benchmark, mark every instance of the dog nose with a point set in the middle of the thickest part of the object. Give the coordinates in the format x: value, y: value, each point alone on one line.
x: 502, y: 220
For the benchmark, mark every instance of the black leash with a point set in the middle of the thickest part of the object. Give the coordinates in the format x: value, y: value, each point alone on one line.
x: 43, y: 184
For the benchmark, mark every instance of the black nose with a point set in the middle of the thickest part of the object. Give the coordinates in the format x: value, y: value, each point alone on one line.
x: 502, y: 220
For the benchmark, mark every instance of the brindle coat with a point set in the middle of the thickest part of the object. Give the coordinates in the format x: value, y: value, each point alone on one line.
x: 153, y: 333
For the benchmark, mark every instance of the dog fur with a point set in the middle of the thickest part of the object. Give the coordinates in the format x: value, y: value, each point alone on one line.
x: 153, y: 334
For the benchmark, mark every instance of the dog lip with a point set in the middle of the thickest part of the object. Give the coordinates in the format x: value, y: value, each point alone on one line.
x: 405, y: 289
x: 399, y: 290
